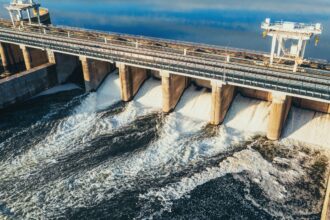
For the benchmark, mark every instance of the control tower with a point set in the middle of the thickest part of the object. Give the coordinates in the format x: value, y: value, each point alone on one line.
x: 290, y: 39
x: 27, y: 10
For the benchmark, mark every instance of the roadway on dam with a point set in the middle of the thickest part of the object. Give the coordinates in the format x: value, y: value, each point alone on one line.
x: 245, y: 68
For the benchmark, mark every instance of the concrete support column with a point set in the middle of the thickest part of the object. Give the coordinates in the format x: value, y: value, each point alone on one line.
x: 125, y: 82
x: 281, y: 104
x: 222, y: 96
x: 166, y: 91
x: 173, y: 87
x: 86, y: 72
x: 131, y: 79
x: 26, y: 56
x: 51, y: 57
x: 94, y: 72
x: 138, y: 76
x: 4, y: 57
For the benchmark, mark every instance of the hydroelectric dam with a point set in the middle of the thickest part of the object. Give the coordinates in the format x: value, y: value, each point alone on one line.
x: 37, y: 56
x: 41, y: 49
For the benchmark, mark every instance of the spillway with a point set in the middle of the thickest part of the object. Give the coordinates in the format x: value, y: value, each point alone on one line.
x: 248, y: 115
x: 242, y: 156
x: 307, y: 127
x: 70, y: 132
x: 105, y: 155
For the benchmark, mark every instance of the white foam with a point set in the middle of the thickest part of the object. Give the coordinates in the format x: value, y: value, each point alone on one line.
x: 195, y: 104
x: 162, y: 157
x: 109, y: 92
x: 261, y: 171
x: 70, y: 133
x: 57, y: 89
x: 145, y: 102
x: 308, y: 127
x: 173, y: 151
x: 150, y: 94
x: 302, y: 126
x: 85, y: 123
x: 248, y: 115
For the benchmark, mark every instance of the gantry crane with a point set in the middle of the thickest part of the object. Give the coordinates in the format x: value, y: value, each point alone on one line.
x: 298, y: 34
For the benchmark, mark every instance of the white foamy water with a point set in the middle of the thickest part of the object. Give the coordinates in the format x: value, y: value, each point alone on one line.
x: 120, y: 173
x: 108, y: 93
x: 146, y: 101
x: 302, y: 126
x: 150, y: 94
x: 248, y: 115
x: 261, y: 171
x: 84, y: 124
x: 173, y: 151
x: 195, y: 104
x: 69, y: 133
x: 57, y: 89
x: 307, y: 127
x: 176, y: 148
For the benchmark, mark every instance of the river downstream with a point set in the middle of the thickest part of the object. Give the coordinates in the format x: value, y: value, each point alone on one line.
x: 65, y: 154
x: 71, y: 155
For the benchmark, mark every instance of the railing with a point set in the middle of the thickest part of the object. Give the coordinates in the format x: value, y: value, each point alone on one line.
x: 132, y: 39
x: 161, y: 58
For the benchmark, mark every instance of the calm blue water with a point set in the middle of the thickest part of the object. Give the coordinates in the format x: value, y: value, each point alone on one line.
x: 228, y: 23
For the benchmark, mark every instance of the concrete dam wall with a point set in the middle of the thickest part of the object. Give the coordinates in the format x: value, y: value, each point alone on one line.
x: 25, y: 85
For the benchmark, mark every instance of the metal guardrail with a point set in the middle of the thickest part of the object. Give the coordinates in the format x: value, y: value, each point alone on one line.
x: 195, y: 65
x: 169, y: 51
x: 64, y: 29
x: 100, y: 35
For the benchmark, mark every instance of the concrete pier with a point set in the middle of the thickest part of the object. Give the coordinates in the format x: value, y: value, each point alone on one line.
x: 255, y: 94
x: 202, y: 83
x: 38, y: 57
x: 14, y: 57
x: 22, y: 86
x: 281, y: 105
x: 222, y: 96
x: 131, y: 79
x: 312, y: 105
x: 94, y: 72
x: 173, y: 87
x: 68, y: 68
x: 166, y: 92
x: 87, y: 73
x: 26, y: 56
x: 33, y: 57
x: 51, y: 57
x: 4, y: 57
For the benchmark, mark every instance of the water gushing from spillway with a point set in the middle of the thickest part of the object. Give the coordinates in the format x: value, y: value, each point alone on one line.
x: 307, y: 127
x: 112, y: 160
x: 274, y: 169
x: 69, y: 133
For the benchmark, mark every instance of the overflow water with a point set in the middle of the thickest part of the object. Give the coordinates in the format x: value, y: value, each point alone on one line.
x: 75, y: 156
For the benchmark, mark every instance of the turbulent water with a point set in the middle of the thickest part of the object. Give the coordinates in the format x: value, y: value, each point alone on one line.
x: 75, y: 156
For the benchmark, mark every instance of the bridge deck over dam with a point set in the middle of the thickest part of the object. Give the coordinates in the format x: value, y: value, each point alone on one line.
x: 232, y: 66
x: 223, y: 70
